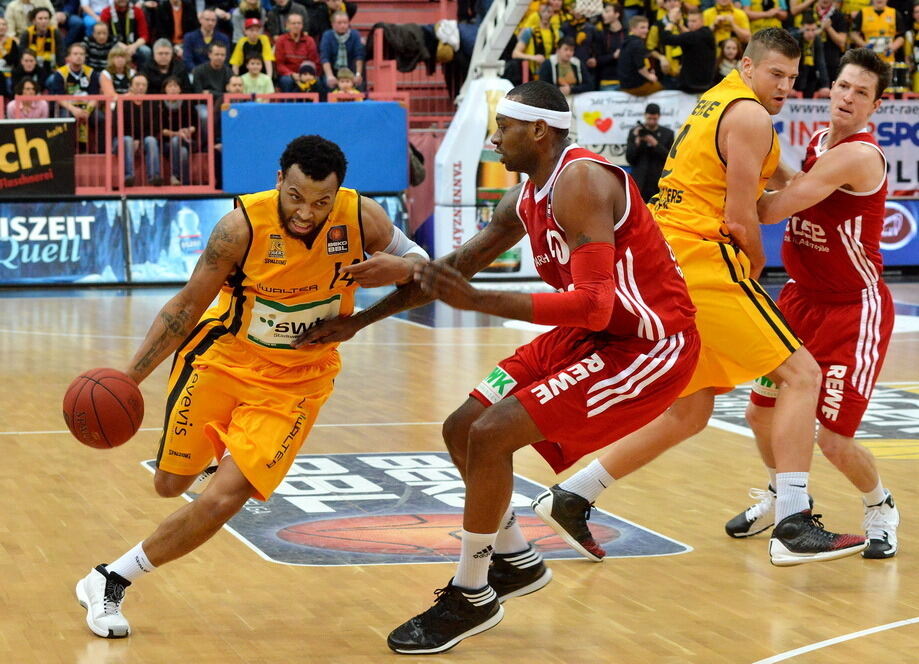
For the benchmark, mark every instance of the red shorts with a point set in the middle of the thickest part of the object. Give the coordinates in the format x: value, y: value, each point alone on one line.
x: 848, y: 336
x: 585, y: 390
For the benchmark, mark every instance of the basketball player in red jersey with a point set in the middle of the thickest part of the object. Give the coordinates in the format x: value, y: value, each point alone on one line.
x: 624, y: 348
x: 836, y: 300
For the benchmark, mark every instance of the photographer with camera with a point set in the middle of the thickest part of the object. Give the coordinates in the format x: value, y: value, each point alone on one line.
x: 646, y: 150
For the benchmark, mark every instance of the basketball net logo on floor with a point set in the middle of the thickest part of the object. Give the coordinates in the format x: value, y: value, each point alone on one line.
x: 399, y: 508
x: 889, y: 428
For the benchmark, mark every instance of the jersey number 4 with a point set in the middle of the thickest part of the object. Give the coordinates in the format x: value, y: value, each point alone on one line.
x: 347, y: 279
x: 676, y: 144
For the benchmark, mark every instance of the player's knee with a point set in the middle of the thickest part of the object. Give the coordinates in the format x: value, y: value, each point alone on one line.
x: 220, y: 507
x: 455, y: 430
x: 693, y: 412
x: 757, y: 417
x: 484, y: 436
x: 835, y: 448
x: 168, y: 485
x: 805, y: 373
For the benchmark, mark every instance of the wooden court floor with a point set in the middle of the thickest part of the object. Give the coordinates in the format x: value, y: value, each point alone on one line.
x: 65, y: 508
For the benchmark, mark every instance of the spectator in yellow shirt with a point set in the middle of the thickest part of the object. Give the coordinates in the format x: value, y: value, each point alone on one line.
x: 726, y: 21
x: 254, y: 43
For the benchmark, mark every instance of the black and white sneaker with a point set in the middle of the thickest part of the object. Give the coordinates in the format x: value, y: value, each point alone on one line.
x: 801, y: 538
x: 755, y: 519
x: 880, y: 525
x: 457, y: 614
x: 101, y: 593
x: 517, y: 574
x: 567, y: 514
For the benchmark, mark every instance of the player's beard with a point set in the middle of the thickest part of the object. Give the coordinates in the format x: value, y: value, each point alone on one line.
x: 286, y: 224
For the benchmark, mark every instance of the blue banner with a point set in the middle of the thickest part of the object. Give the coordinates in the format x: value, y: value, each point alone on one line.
x: 899, y: 241
x: 62, y: 242
x: 168, y: 235
x: 373, y: 135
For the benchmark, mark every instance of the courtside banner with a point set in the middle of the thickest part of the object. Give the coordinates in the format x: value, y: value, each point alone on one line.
x: 62, y: 242
x: 168, y: 235
x: 36, y: 157
x: 399, y: 508
x: 605, y: 118
x: 895, y: 126
x: 899, y: 239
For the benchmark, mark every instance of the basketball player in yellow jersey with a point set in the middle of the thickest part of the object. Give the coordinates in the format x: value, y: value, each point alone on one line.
x: 718, y: 167
x: 279, y: 263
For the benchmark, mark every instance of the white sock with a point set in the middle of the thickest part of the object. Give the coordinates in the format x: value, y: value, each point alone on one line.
x: 876, y: 496
x: 791, y: 494
x: 590, y: 482
x: 510, y: 537
x: 771, y: 477
x: 475, y: 557
x: 132, y: 565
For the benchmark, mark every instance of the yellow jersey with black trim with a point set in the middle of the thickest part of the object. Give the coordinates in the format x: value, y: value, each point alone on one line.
x: 285, y: 287
x: 693, y: 183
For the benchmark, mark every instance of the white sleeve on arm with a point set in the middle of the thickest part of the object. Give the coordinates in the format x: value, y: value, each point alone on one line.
x: 400, y: 245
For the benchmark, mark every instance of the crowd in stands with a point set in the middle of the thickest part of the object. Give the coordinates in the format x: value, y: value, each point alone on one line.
x: 273, y: 45
x: 122, y: 48
x: 642, y: 46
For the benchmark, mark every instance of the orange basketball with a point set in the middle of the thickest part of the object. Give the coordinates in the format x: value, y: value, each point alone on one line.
x: 103, y: 408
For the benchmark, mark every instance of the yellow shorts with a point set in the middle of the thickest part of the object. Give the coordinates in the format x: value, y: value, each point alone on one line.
x: 220, y: 397
x: 743, y: 333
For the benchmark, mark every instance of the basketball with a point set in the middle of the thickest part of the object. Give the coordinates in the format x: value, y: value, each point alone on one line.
x: 103, y: 408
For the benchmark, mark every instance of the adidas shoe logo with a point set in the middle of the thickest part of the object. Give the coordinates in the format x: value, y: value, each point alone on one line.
x: 484, y: 553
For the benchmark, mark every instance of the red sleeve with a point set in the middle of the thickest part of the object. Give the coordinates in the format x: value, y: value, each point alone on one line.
x: 590, y: 304
x: 142, y: 31
x: 281, y: 46
x: 312, y: 53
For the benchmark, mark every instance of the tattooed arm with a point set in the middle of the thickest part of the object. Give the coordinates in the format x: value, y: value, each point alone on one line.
x: 175, y: 321
x: 504, y: 231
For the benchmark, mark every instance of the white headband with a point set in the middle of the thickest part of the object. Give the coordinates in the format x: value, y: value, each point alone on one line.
x: 517, y: 111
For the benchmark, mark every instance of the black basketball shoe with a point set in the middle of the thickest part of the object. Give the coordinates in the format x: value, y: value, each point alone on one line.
x: 880, y: 524
x: 457, y: 614
x: 567, y: 514
x: 801, y: 538
x: 517, y: 574
x: 757, y: 518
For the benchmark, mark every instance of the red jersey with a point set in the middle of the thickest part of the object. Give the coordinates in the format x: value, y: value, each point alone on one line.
x: 833, y: 247
x: 651, y: 297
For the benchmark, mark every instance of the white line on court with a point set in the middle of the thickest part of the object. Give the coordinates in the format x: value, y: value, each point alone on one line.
x: 781, y: 657
x: 315, y: 426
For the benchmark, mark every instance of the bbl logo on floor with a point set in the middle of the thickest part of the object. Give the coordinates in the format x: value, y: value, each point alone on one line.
x: 890, y: 427
x: 372, y: 509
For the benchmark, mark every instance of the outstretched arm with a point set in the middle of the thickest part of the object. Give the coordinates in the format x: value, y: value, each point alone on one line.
x: 504, y: 231
x: 392, y: 255
x: 588, y: 222
x: 178, y: 317
x: 832, y: 171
